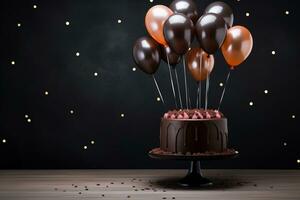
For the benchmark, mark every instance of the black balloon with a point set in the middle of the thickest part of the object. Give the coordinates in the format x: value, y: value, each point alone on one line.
x: 211, y: 32
x: 146, y: 54
x: 186, y: 7
x: 221, y: 9
x: 167, y: 53
x: 179, y: 33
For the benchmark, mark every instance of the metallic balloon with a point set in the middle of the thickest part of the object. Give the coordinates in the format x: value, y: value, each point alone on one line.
x: 186, y: 7
x: 221, y: 9
x: 211, y: 31
x: 146, y: 54
x: 200, y: 64
x: 154, y: 21
x: 179, y: 33
x: 237, y: 45
x: 174, y: 58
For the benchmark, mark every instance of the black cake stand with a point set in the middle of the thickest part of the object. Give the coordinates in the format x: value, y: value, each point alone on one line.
x: 194, y: 176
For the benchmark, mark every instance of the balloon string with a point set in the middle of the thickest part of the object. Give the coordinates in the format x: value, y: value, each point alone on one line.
x: 185, y: 83
x: 172, y: 83
x: 157, y: 87
x: 206, y: 92
x: 178, y: 88
x: 199, y: 96
x: 221, y: 99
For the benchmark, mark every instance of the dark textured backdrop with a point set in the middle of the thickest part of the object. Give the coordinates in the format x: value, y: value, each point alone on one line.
x: 43, y: 49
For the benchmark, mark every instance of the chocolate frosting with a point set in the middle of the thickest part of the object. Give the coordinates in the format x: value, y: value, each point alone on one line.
x: 193, y: 136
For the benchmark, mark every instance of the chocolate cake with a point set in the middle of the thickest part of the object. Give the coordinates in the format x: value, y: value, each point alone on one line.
x: 193, y: 131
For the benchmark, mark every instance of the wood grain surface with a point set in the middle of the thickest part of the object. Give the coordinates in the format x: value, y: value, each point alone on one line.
x: 146, y: 184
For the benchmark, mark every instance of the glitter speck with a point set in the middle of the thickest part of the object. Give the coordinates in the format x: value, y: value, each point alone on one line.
x: 92, y: 142
x: 221, y: 84
x: 284, y: 144
x: 4, y: 141
x: 85, y: 147
x: 71, y: 111
x: 77, y: 54
x: 19, y: 24
x: 266, y: 91
x: 157, y: 99
x: 298, y: 161
x: 293, y: 116
x: 28, y: 120
x: 251, y: 103
x: 122, y: 115
x: 119, y: 21
x: 134, y: 69
x: 34, y: 6
x: 13, y: 62
x: 26, y: 116
x: 287, y: 12
x: 151, y: 1
x: 46, y: 93
x: 273, y: 52
x: 95, y: 74
x: 67, y: 23
x: 247, y: 14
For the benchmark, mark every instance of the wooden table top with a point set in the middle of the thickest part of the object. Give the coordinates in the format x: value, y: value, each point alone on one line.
x: 146, y: 184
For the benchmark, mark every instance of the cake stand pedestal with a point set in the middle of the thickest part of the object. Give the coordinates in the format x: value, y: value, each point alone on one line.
x: 194, y: 176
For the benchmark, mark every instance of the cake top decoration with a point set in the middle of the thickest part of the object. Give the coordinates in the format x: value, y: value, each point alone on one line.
x: 193, y: 114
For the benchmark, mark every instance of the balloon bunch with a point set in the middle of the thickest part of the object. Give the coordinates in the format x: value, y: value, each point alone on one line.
x: 172, y: 30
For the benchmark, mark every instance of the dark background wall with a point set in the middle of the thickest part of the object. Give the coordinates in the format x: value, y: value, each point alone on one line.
x: 53, y: 105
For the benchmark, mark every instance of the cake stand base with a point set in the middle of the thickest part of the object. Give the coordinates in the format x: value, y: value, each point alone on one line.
x: 194, y: 176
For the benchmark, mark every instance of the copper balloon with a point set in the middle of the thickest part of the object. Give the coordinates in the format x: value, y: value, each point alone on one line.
x: 154, y: 21
x: 200, y: 64
x: 167, y: 53
x: 237, y: 45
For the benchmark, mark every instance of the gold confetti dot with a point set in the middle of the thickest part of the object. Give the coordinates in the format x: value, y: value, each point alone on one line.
x: 284, y: 144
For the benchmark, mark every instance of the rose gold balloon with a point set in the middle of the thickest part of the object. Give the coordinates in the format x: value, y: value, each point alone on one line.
x: 154, y: 21
x: 237, y: 45
x: 200, y: 64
